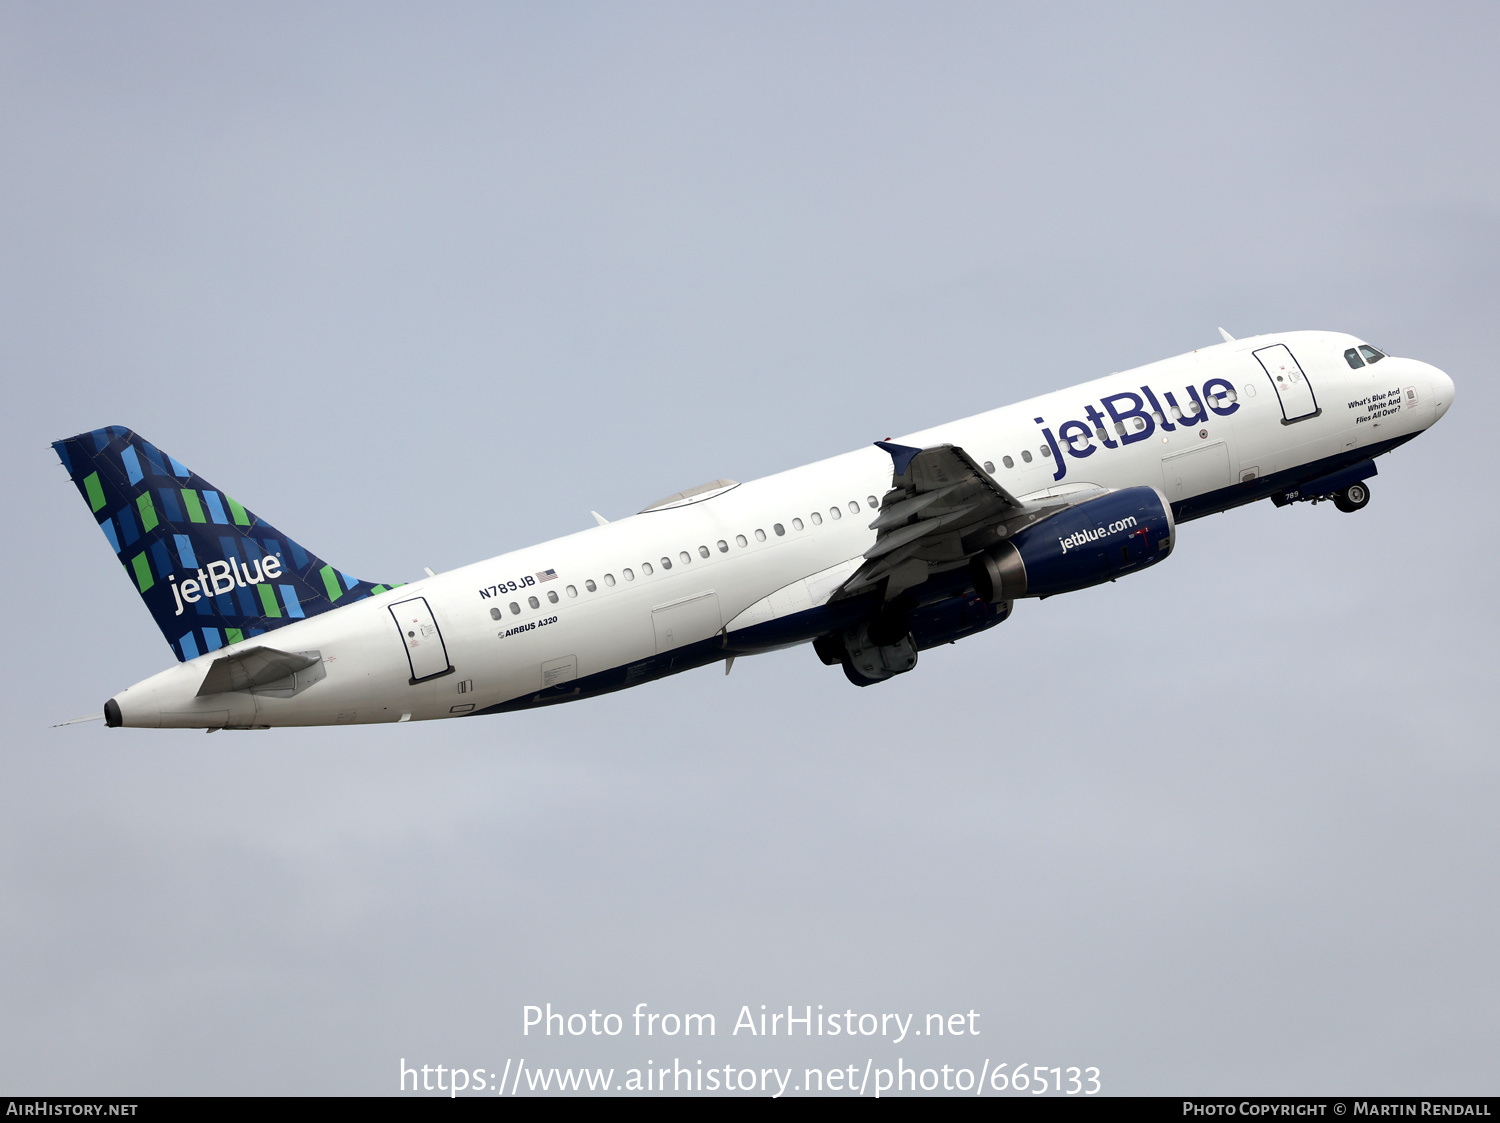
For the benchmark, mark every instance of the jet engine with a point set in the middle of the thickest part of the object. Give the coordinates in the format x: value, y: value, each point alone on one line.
x: 1098, y: 540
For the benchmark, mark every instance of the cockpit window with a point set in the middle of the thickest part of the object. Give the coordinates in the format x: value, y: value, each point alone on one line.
x: 1371, y: 355
x: 1351, y: 357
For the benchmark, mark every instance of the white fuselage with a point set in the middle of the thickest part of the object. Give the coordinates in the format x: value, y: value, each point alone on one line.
x: 628, y: 594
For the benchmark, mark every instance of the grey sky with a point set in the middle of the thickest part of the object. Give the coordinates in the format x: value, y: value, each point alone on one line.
x: 423, y: 284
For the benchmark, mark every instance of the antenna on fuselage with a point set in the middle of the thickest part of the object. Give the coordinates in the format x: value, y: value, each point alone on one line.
x: 600, y: 519
x: 1227, y: 337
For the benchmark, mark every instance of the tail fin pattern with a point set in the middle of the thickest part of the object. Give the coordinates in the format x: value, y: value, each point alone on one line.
x: 211, y: 572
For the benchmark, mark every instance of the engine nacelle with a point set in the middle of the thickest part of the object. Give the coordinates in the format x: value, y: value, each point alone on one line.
x: 1098, y: 540
x: 953, y: 619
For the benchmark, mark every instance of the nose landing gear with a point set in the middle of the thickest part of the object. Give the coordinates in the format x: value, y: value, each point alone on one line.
x: 1353, y: 498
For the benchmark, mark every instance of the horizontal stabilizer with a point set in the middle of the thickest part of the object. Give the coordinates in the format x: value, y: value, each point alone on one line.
x: 260, y: 666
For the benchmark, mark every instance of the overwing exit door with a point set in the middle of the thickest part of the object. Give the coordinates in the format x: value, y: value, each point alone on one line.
x: 425, y: 650
x: 686, y: 621
x: 1296, y: 393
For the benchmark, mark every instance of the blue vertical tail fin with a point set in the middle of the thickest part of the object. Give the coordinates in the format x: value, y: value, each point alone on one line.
x: 211, y: 572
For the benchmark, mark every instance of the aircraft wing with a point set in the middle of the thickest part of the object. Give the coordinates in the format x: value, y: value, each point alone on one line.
x: 941, y: 510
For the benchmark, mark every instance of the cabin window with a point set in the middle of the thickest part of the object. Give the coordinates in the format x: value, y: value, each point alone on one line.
x: 854, y: 506
x: 739, y: 540
x: 796, y: 524
x: 817, y: 519
x: 515, y: 609
x: 533, y: 602
x: 1007, y: 461
x: 779, y: 529
x: 572, y: 590
x: 629, y: 575
x: 591, y: 587
x: 703, y: 551
x: 724, y: 546
x: 1026, y: 455
x: 1371, y: 355
x: 552, y: 595
x: 989, y: 465
x: 494, y: 614
x: 760, y: 535
x: 1157, y: 417
x: 646, y: 569
x: 609, y: 579
x: 1351, y: 357
x: 1119, y: 428
x: 666, y: 563
x: 874, y: 504
x: 835, y: 512
x: 1047, y: 451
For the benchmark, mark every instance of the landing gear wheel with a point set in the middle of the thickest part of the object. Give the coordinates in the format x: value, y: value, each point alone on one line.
x: 856, y: 678
x: 1352, y: 498
x: 830, y: 649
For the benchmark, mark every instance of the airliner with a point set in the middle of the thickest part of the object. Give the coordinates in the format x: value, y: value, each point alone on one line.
x: 870, y: 557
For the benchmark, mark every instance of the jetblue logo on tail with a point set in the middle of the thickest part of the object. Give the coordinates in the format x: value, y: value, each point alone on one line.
x: 221, y: 577
x: 163, y: 522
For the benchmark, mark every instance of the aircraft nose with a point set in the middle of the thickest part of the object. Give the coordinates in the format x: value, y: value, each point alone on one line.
x: 1442, y: 392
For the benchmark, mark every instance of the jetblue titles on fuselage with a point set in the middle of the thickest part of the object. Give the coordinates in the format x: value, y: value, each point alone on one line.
x: 1133, y: 417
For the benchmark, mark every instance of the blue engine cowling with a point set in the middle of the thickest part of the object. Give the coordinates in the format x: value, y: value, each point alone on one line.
x: 953, y: 619
x: 1098, y: 540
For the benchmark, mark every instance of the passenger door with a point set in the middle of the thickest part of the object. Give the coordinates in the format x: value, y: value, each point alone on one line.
x: 425, y: 650
x: 1298, y: 401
